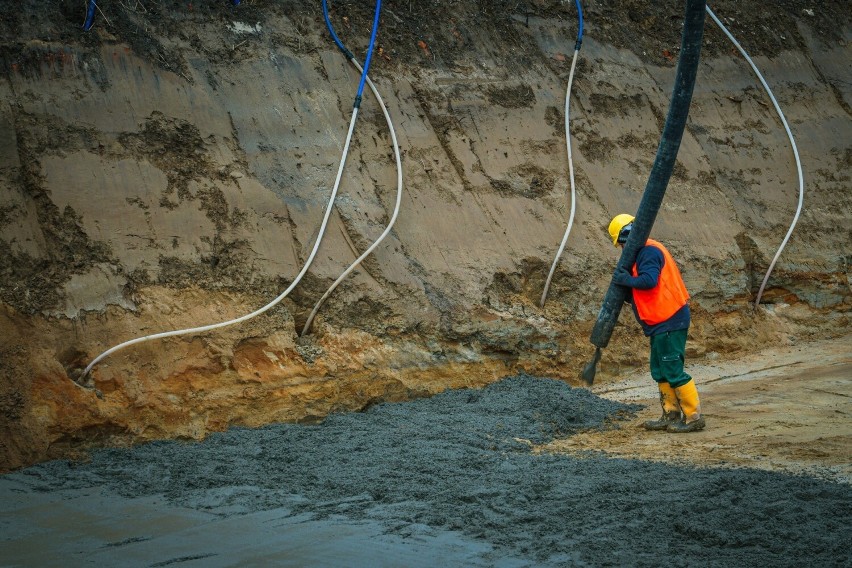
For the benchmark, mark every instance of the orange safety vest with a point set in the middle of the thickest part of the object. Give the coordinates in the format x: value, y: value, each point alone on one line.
x: 659, y: 303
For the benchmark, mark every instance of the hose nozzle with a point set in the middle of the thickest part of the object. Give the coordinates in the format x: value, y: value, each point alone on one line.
x: 588, y: 373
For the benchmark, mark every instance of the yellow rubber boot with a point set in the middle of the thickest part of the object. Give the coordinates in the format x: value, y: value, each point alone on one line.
x: 671, y: 409
x: 687, y: 396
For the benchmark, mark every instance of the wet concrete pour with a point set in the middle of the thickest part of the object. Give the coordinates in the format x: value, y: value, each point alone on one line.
x: 450, y: 480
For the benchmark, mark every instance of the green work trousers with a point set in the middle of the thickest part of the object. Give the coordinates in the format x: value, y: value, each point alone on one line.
x: 667, y: 356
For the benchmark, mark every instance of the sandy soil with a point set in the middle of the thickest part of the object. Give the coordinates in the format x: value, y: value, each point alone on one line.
x: 170, y: 166
x: 168, y: 169
x: 784, y: 409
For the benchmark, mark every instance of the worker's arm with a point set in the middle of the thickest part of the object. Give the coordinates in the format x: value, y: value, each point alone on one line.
x: 649, y: 264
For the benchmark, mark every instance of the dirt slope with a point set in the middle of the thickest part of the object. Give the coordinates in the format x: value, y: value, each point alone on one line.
x: 169, y: 169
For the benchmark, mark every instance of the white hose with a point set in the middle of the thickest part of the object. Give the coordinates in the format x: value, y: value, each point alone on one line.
x: 387, y: 230
x: 270, y: 304
x: 571, y: 177
x: 792, y: 144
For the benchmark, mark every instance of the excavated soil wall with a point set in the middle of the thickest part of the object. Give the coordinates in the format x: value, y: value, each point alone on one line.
x: 170, y: 168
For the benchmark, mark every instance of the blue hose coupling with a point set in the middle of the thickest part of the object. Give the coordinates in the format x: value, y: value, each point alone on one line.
x: 90, y: 16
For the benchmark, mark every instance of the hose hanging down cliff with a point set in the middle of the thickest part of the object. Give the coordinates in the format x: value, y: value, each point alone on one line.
x: 348, y: 54
x: 655, y: 189
x: 304, y: 270
x: 577, y: 46
x: 792, y: 146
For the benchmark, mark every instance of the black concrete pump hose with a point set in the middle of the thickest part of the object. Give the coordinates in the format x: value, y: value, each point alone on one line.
x: 655, y: 189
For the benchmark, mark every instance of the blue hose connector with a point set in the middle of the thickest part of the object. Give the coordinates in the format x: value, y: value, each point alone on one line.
x: 90, y: 16
x: 336, y: 39
x: 370, y: 49
x: 348, y: 53
x: 579, y: 41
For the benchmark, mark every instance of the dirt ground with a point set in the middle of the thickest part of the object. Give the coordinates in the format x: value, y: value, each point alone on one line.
x: 784, y: 409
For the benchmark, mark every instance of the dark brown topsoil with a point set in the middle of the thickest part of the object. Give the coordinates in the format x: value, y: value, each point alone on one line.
x: 439, y: 33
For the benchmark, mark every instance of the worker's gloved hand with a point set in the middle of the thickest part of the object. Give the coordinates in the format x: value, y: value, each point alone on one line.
x: 623, y: 278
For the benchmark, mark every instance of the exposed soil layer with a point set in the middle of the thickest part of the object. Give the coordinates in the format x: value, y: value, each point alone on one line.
x: 169, y: 168
x: 463, y: 461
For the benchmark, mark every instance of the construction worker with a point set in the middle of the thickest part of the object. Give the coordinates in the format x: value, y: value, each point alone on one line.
x: 660, y: 304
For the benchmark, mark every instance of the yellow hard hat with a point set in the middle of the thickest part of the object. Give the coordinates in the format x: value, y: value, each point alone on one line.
x: 617, y: 224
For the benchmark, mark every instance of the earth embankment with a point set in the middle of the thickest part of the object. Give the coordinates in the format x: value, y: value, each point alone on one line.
x: 169, y: 169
